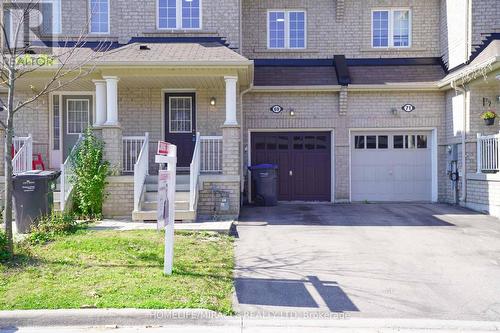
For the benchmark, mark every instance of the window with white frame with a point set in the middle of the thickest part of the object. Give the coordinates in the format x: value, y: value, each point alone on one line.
x: 78, y: 115
x: 99, y: 16
x: 179, y: 14
x: 391, y: 28
x: 181, y: 111
x: 51, y: 16
x: 286, y: 29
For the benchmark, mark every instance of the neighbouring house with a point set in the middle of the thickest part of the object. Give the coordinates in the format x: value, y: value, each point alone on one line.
x: 355, y: 100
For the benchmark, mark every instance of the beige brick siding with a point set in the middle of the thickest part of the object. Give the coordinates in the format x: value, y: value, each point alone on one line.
x: 130, y: 19
x: 488, y: 89
x: 485, y: 19
x: 351, y: 36
x: 119, y: 197
x: 231, y: 150
x: 113, y: 147
x: 207, y: 200
x: 365, y: 110
x: 141, y: 110
x: 34, y: 120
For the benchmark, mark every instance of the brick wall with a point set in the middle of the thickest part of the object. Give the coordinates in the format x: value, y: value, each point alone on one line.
x: 33, y: 119
x: 485, y: 19
x: 207, y: 199
x: 483, y: 194
x: 351, y: 36
x: 119, y: 200
x: 364, y: 110
x: 131, y: 18
x: 140, y: 111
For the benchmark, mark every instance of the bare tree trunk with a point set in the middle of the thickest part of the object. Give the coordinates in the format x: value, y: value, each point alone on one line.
x: 8, y: 165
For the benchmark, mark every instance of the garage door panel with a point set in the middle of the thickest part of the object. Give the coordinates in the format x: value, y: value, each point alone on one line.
x: 398, y: 170
x: 303, y: 159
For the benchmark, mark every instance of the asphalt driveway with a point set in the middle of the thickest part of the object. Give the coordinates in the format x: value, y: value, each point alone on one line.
x: 369, y: 260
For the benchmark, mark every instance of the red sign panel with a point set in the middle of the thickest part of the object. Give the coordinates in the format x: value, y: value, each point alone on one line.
x: 163, y: 148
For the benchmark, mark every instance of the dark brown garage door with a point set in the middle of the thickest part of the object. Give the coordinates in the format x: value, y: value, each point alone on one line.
x: 304, y: 161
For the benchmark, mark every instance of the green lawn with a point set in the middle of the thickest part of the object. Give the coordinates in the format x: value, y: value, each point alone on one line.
x: 120, y: 269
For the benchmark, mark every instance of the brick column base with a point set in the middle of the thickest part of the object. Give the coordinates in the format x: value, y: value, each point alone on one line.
x: 113, y: 150
x: 231, y: 150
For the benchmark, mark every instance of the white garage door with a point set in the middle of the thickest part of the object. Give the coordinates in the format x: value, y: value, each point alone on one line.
x: 391, y: 166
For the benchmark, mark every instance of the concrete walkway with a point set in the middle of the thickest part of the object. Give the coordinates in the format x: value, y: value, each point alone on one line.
x: 369, y: 260
x: 123, y: 225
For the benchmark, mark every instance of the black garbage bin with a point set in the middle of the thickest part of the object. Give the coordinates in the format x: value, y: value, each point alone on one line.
x: 33, y: 196
x: 265, y: 178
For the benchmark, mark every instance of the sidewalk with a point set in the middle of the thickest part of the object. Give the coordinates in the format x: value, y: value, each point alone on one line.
x: 123, y: 225
x: 186, y: 320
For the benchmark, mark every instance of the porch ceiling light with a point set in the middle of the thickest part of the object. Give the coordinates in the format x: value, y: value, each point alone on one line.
x: 213, y: 101
x: 292, y: 112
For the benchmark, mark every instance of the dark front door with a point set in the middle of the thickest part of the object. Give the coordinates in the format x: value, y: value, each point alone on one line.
x: 304, y: 163
x: 180, y: 125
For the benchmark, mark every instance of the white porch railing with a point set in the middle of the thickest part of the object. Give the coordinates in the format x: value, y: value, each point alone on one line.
x: 194, y: 174
x: 67, y: 173
x: 140, y: 167
x: 488, y: 153
x: 23, y: 156
x: 211, y: 154
x: 132, y: 146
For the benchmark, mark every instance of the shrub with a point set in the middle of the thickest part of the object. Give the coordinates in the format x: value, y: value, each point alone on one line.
x: 4, y: 254
x: 51, y: 226
x: 89, y: 180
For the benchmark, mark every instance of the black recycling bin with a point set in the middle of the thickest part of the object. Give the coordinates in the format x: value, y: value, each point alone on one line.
x: 265, y: 178
x: 33, y: 196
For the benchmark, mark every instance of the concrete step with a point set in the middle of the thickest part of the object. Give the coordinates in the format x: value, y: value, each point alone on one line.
x: 178, y: 187
x: 179, y: 196
x: 152, y: 205
x: 179, y: 179
x: 150, y: 215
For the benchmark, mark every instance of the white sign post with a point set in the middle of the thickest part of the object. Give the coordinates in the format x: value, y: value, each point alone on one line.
x: 166, y: 200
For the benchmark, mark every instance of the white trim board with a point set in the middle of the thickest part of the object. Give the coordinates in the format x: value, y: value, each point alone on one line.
x: 57, y: 155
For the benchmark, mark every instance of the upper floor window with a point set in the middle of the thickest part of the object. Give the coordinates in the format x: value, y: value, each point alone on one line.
x: 391, y: 28
x: 179, y: 14
x: 99, y: 16
x: 286, y: 30
x: 51, y: 16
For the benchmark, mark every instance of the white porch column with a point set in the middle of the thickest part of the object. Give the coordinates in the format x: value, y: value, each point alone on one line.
x: 112, y: 99
x: 231, y: 100
x: 100, y: 102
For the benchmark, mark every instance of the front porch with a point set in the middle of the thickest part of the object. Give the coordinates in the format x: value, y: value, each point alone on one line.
x: 133, y: 105
x: 195, y: 119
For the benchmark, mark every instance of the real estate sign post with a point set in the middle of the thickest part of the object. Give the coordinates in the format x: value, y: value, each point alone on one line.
x: 167, y: 154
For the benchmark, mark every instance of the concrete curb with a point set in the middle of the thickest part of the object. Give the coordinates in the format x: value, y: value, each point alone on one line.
x: 120, y: 317
x: 200, y: 317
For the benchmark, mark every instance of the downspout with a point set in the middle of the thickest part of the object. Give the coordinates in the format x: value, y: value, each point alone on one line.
x: 463, y: 196
x: 242, y: 180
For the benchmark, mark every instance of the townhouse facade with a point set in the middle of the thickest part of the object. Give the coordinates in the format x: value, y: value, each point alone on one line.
x: 356, y: 101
